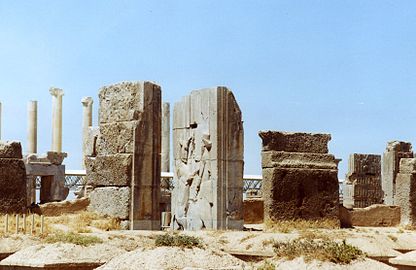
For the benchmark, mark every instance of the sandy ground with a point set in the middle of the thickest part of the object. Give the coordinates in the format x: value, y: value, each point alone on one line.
x: 136, y: 249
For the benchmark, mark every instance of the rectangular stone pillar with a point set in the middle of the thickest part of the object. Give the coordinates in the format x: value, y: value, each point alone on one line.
x: 13, y: 190
x: 300, y: 178
x: 165, y: 137
x: 364, y: 177
x: 395, y: 151
x: 127, y: 154
x: 208, y: 152
x: 405, y: 196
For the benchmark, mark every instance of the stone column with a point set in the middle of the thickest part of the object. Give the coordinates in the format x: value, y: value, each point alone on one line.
x: 165, y: 137
x: 32, y: 127
x: 86, y: 123
x: 56, y: 118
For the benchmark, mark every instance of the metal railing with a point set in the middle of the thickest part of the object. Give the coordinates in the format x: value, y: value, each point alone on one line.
x: 76, y: 178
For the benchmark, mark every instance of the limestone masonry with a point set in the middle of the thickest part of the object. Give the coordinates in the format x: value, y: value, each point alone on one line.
x: 13, y: 194
x: 123, y: 163
x: 405, y: 196
x: 362, y: 185
x: 299, y: 176
x: 208, y: 155
x: 395, y: 151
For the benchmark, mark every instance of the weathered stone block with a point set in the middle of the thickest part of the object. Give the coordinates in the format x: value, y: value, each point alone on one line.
x: 300, y: 193
x: 253, y: 211
x: 362, y: 185
x: 111, y: 201
x: 377, y: 215
x: 295, y: 142
x: 90, y: 143
x: 112, y: 170
x: 116, y: 138
x: 12, y: 149
x: 408, y: 165
x: 364, y: 164
x: 13, y: 193
x: 272, y: 159
x: 124, y: 101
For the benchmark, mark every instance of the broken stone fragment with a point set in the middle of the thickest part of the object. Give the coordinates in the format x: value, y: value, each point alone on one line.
x: 10, y: 149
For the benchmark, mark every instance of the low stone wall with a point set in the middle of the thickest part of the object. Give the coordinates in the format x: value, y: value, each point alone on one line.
x: 377, y: 215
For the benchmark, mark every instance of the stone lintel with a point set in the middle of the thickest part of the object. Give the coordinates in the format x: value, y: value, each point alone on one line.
x: 295, y: 142
x: 280, y: 159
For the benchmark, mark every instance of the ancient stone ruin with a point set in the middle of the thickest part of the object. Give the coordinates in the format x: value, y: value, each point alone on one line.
x: 13, y: 193
x: 123, y: 163
x: 52, y: 174
x: 299, y: 176
x: 405, y: 196
x: 208, y: 156
x: 362, y: 185
x: 395, y: 151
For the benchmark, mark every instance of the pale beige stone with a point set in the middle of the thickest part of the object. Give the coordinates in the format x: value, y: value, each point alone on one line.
x: 208, y: 155
x: 377, y: 215
x: 32, y: 127
x: 57, y: 95
x: 395, y: 151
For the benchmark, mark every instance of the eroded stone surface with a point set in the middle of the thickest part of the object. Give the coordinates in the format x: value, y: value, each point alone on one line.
x: 111, y: 201
x: 298, y: 184
x: 406, y: 191
x: 208, y: 154
x: 295, y: 142
x: 13, y: 193
x: 114, y: 170
x: 12, y: 149
x: 395, y: 151
x: 362, y: 184
x: 125, y: 151
x: 253, y: 211
x: 377, y: 215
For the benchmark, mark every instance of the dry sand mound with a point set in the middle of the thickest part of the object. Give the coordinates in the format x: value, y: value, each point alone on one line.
x: 61, y: 253
x: 173, y: 258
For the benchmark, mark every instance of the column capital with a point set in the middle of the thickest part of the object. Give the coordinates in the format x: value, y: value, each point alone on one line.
x: 87, y: 101
x: 57, y: 92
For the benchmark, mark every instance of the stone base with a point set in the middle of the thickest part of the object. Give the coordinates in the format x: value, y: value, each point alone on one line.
x: 377, y: 215
x: 300, y: 194
x: 253, y: 209
x: 235, y: 225
x: 150, y: 225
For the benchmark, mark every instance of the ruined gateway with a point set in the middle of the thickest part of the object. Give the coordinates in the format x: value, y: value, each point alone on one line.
x: 208, y: 161
x: 123, y: 163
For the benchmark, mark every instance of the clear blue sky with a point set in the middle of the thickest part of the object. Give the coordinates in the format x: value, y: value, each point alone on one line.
x: 343, y: 67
